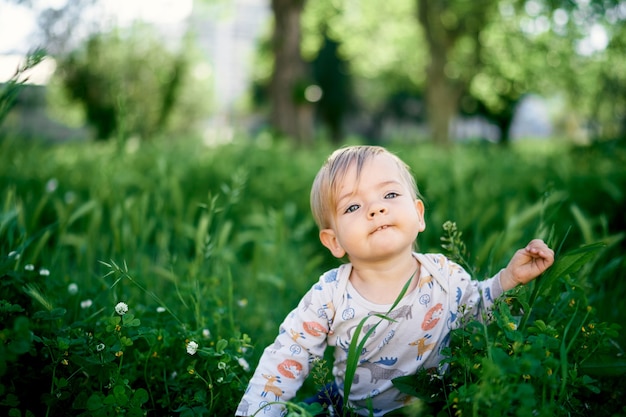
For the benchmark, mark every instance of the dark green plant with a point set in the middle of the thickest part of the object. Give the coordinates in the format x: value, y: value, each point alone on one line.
x: 540, y: 354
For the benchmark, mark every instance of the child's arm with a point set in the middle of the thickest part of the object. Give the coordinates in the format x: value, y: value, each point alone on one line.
x: 527, y: 264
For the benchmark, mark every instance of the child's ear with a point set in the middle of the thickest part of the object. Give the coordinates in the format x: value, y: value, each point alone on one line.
x: 329, y: 239
x: 419, y: 207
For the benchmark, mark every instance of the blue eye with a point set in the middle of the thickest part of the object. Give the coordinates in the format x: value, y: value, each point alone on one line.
x: 352, y: 208
x: 392, y: 195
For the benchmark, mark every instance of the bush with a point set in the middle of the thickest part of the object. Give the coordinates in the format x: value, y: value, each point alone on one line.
x: 131, y: 84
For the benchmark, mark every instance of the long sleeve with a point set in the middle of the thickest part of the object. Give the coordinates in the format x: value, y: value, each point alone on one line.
x: 469, y: 298
x: 286, y: 363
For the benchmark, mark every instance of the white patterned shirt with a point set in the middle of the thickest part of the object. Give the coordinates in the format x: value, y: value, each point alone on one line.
x: 329, y: 314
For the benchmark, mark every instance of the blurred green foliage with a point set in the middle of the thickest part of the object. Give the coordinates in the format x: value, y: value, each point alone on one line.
x: 135, y: 82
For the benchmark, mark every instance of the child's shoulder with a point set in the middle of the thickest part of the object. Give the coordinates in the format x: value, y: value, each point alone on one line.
x: 335, y: 276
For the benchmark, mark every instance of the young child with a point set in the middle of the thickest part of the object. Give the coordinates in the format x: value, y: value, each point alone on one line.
x: 367, y: 206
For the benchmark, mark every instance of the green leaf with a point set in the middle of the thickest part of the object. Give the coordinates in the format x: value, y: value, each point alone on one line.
x: 95, y: 402
x: 221, y: 346
x: 604, y: 366
x: 139, y: 397
x: 121, y: 398
x: 570, y: 262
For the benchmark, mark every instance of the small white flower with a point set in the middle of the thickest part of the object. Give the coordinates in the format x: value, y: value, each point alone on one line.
x: 206, y: 333
x: 86, y: 303
x: 221, y: 365
x: 69, y: 197
x: 52, y: 185
x: 14, y: 254
x: 100, y: 347
x: 44, y: 272
x: 160, y: 309
x: 244, y: 364
x: 72, y: 288
x: 29, y: 267
x: 121, y: 308
x: 192, y: 347
x: 220, y: 380
x: 173, y: 375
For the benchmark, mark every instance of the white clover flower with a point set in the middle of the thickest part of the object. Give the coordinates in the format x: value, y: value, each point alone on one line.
x: 72, y: 288
x: 86, y: 303
x: 29, y: 267
x: 192, y: 347
x: 206, y: 333
x: 52, y: 185
x: 44, y: 272
x: 100, y: 347
x: 160, y: 309
x: 244, y: 364
x: 121, y: 308
x: 69, y: 197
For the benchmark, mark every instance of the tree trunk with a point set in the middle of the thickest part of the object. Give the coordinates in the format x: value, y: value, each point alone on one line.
x: 442, y: 99
x: 291, y: 114
x: 442, y: 93
x: 445, y: 23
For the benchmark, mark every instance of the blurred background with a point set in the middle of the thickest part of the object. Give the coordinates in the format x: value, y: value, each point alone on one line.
x: 409, y: 70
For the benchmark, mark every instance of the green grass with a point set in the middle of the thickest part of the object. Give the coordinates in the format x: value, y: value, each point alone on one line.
x: 216, y: 245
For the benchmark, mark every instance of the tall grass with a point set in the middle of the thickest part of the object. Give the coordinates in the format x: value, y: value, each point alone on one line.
x: 221, y: 241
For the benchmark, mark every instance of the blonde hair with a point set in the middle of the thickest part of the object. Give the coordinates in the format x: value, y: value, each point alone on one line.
x: 327, y: 180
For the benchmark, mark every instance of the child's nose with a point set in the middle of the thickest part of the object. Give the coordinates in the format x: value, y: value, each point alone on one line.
x: 376, y: 210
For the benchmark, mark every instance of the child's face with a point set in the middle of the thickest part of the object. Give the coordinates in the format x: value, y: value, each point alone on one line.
x: 376, y: 216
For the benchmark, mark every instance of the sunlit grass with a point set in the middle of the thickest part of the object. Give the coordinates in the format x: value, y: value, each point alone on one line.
x: 219, y: 241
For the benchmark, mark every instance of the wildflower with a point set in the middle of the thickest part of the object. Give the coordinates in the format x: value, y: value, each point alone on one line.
x: 121, y: 308
x: 512, y: 326
x: 206, y: 333
x: 44, y: 272
x: 244, y: 364
x: 52, y: 185
x: 72, y: 288
x: 192, y: 347
x: 221, y: 365
x: 86, y: 303
x: 69, y: 197
x: 242, y: 303
x: 100, y: 347
x: 14, y: 254
x: 119, y: 353
x: 29, y: 267
x: 160, y: 309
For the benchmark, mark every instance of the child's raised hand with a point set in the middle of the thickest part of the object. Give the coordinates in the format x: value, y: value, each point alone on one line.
x: 527, y: 264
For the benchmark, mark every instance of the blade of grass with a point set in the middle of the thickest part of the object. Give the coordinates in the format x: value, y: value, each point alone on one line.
x: 356, y: 346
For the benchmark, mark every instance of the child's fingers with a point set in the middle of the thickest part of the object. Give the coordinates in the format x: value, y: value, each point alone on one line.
x: 538, y: 247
